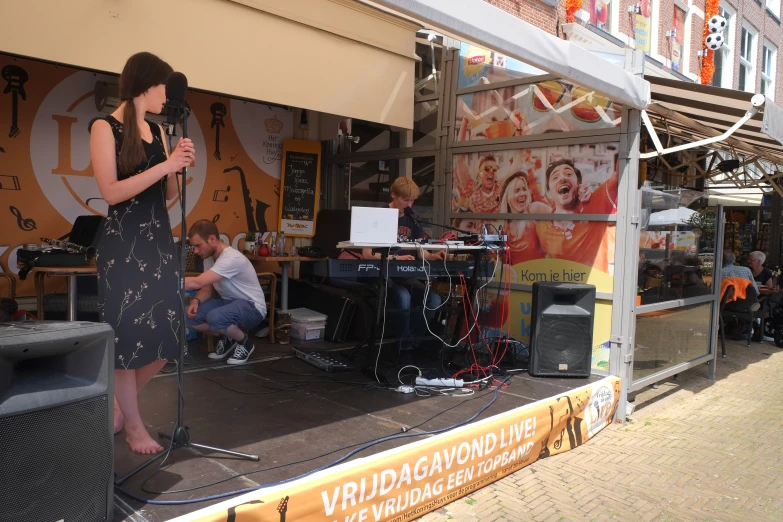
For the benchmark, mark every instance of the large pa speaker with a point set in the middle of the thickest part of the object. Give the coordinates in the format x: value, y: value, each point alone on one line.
x: 56, y: 421
x: 561, y: 333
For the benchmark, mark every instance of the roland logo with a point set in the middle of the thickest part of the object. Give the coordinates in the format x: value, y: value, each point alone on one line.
x: 367, y: 267
x: 408, y: 268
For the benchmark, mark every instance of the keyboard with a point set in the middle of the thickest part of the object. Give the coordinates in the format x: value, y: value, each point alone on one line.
x: 370, y: 269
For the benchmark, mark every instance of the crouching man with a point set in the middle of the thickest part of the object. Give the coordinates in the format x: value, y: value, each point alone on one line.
x: 240, y: 306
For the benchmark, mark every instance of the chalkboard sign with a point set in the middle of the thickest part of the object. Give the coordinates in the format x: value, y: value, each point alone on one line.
x: 300, y: 187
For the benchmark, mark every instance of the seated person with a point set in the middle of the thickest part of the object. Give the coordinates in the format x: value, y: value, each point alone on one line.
x: 402, y: 294
x: 732, y: 270
x: 762, y: 275
x: 241, y: 305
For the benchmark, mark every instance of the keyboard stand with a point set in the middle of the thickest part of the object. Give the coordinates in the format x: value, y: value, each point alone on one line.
x: 370, y: 340
x: 447, y: 352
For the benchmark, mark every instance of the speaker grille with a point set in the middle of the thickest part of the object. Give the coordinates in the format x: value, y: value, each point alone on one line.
x: 563, y: 340
x: 56, y: 464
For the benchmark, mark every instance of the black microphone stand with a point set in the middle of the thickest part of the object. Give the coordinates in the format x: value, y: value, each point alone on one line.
x: 180, y: 438
x: 415, y: 218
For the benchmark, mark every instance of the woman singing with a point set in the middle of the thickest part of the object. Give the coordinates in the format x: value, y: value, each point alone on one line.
x: 138, y: 280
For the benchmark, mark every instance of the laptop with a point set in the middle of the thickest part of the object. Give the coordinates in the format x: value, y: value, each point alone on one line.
x: 374, y: 225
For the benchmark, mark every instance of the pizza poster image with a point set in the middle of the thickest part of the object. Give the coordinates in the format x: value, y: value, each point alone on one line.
x: 532, y: 109
x: 47, y: 181
x: 405, y: 483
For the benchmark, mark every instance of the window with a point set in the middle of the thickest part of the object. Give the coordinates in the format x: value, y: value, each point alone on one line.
x: 723, y: 57
x: 677, y: 50
x: 768, y: 71
x: 747, y: 76
x: 774, y: 7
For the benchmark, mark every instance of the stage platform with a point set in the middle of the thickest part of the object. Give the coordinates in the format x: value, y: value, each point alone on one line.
x: 294, y: 416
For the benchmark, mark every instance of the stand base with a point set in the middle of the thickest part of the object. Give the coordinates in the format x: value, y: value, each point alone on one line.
x: 181, y: 439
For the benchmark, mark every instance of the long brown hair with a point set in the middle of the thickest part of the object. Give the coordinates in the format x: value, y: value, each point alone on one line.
x: 141, y: 72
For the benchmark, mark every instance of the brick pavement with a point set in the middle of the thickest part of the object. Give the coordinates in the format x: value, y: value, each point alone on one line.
x: 694, y: 449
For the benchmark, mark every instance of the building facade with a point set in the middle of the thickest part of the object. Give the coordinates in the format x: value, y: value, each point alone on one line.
x: 750, y: 60
x: 671, y: 34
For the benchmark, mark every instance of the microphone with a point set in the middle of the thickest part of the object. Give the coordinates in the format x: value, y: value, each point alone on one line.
x: 176, y: 88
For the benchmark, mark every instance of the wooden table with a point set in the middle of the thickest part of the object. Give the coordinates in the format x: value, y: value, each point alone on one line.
x: 285, y: 264
x: 71, y: 272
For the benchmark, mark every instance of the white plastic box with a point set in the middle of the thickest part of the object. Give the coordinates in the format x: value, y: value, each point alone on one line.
x: 307, y: 325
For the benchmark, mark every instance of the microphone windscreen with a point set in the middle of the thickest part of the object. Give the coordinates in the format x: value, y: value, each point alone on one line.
x: 409, y: 212
x: 176, y: 87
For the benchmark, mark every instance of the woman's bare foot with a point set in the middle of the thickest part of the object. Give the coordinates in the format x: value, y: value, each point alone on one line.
x: 140, y: 441
x: 119, y: 420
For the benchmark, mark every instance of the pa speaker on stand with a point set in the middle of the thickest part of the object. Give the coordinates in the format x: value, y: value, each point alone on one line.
x: 561, y: 333
x: 56, y: 421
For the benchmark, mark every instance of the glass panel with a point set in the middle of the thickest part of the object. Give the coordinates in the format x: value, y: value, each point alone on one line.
x: 544, y: 107
x: 676, y: 249
x: 601, y: 13
x: 477, y: 65
x: 670, y: 337
x: 372, y: 137
x: 428, y: 68
x: 423, y: 174
x: 743, y: 73
x: 548, y: 180
x: 371, y: 181
x: 745, y: 48
x: 678, y: 43
x: 425, y: 124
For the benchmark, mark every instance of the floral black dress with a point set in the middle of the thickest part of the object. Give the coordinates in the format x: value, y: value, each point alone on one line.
x: 138, y: 277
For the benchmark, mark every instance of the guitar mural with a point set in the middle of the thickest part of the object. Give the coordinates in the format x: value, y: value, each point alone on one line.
x: 47, y: 179
x: 282, y: 508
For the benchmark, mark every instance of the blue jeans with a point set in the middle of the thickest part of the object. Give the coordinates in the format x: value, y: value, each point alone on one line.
x: 404, y: 305
x: 219, y: 314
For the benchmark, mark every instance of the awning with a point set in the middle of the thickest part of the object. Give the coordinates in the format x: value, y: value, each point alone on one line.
x: 337, y: 57
x: 690, y: 112
x: 485, y: 25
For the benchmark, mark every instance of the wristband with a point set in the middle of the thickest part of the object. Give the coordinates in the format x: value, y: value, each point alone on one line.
x: 197, y: 300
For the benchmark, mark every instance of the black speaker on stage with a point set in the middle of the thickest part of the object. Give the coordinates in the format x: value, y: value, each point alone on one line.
x: 56, y: 421
x: 561, y: 333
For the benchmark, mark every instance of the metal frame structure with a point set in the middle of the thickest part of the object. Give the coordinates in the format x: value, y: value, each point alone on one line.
x: 746, y: 138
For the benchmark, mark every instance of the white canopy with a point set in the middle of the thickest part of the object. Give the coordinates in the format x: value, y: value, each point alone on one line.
x: 478, y: 22
x: 672, y: 216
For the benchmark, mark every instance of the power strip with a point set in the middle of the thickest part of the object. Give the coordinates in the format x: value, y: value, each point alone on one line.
x: 494, y: 238
x: 449, y: 383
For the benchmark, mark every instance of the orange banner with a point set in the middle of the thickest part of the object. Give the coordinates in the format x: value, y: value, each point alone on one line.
x: 407, y: 482
x: 46, y: 177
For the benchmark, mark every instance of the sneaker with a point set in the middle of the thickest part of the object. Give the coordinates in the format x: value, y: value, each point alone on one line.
x: 241, y: 353
x: 223, y: 349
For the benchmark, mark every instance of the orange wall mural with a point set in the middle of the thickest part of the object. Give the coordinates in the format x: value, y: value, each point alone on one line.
x: 46, y: 179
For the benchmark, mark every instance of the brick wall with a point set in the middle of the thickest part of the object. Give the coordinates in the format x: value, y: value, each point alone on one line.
x: 697, y: 39
x: 536, y: 12
x: 769, y: 28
